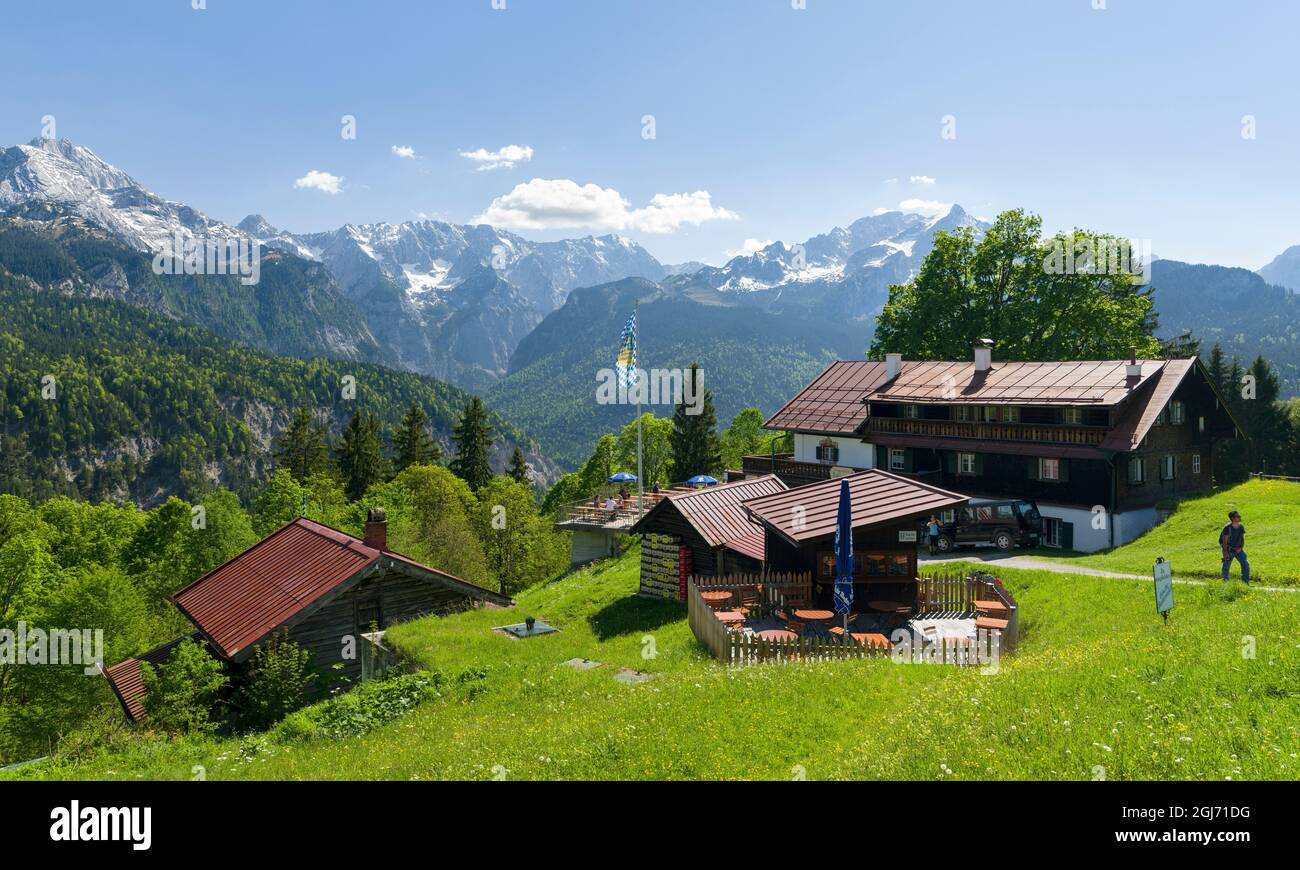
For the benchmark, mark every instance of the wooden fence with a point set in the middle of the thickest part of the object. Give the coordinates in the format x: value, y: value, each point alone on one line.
x: 947, y: 594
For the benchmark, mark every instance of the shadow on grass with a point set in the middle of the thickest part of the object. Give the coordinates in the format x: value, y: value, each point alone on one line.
x: 635, y: 613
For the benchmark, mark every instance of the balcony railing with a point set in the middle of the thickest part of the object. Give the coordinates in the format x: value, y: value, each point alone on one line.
x: 983, y: 431
x: 785, y: 465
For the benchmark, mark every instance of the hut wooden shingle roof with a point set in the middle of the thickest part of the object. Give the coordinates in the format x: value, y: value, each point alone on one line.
x: 717, y: 512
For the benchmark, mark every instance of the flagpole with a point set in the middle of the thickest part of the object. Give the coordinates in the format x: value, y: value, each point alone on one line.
x: 640, y: 487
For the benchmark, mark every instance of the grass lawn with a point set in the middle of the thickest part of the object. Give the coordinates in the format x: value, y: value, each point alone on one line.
x: 1099, y: 688
x: 1270, y: 510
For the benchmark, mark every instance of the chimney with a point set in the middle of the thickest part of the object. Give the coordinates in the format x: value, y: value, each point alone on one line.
x: 376, y: 529
x: 983, y: 354
x: 893, y: 365
x: 1134, y: 368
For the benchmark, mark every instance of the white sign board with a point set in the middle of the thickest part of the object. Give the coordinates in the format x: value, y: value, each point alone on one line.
x: 1164, y: 574
x: 905, y: 537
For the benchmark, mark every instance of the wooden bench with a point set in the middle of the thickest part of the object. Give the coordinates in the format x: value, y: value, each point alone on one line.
x: 988, y: 623
x: 992, y: 608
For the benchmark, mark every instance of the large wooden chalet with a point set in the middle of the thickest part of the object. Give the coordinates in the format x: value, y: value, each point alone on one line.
x: 1096, y: 444
x: 325, y: 588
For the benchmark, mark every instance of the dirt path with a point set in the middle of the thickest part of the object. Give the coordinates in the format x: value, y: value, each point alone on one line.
x: 1034, y: 563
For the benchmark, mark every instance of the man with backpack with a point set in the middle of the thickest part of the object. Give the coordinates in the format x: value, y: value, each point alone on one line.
x: 1232, y: 540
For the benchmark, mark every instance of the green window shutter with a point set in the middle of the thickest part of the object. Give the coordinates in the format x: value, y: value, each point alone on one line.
x: 907, y: 459
x: 950, y: 462
x: 1067, y: 536
x: 1064, y: 466
x: 979, y: 463
x: 1033, y: 467
x: 882, y: 458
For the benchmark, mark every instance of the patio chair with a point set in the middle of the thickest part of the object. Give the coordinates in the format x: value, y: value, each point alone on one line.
x: 796, y: 626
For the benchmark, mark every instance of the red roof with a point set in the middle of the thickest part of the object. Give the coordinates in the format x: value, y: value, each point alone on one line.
x: 127, y: 678
x: 241, y: 602
x: 717, y: 512
x: 832, y: 403
x: 808, y: 512
x: 1022, y: 383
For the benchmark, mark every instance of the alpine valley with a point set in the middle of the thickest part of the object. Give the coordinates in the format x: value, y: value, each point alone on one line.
x: 526, y: 324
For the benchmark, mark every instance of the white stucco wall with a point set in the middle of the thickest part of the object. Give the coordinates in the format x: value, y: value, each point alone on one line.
x: 852, y: 451
x: 1087, y: 539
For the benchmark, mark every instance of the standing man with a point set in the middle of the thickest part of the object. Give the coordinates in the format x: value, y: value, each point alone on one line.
x: 1233, y: 542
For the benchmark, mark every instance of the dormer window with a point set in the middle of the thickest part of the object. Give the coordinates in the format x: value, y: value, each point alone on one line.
x: 828, y: 451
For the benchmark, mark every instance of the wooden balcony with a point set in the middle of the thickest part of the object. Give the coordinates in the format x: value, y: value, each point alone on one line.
x: 1040, y: 433
x: 784, y: 465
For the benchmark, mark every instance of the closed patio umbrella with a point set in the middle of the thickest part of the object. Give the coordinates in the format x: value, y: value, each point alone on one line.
x: 844, y: 555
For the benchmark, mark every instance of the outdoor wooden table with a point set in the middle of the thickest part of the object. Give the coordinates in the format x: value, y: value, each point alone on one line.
x: 888, y: 606
x: 716, y: 599
x: 814, y: 615
x: 726, y: 616
x: 778, y: 634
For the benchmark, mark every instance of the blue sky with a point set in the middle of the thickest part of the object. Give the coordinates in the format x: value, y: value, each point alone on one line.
x: 770, y: 122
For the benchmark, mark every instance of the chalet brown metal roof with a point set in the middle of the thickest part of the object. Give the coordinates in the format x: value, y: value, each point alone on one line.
x: 1138, y: 419
x: 717, y: 512
x: 239, y: 603
x: 808, y: 512
x: 127, y: 678
x: 1100, y: 383
x: 832, y: 403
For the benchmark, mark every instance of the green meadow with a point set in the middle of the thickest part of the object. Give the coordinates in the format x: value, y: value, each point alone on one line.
x: 1099, y: 689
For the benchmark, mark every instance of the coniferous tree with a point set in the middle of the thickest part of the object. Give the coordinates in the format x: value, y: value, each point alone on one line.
x: 361, y: 455
x: 473, y: 439
x: 696, y: 447
x: 519, y: 470
x: 302, y: 447
x: 412, y: 443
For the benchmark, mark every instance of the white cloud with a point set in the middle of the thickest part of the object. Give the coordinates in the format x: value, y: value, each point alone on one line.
x: 322, y: 181
x: 406, y: 152
x: 927, y: 207
x: 545, y: 204
x: 890, y: 181
x: 922, y: 179
x: 748, y: 247
x: 502, y: 158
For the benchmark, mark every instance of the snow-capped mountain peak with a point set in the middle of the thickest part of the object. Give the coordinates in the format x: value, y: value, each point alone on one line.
x: 61, y: 176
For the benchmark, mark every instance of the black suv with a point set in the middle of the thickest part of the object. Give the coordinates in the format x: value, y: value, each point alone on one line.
x: 1004, y: 524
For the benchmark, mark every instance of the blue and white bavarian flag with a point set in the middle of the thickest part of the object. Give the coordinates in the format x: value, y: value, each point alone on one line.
x: 626, y: 362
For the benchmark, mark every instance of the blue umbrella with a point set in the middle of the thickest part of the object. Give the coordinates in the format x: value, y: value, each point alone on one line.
x: 702, y: 480
x: 622, y: 477
x: 844, y: 555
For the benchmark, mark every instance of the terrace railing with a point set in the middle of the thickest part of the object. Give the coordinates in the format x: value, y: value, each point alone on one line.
x: 785, y: 465
x: 940, y: 594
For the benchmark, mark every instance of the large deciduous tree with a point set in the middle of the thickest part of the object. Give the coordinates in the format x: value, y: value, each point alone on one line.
x: 1059, y: 298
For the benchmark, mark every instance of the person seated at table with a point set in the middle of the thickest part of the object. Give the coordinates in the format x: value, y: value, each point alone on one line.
x: 610, y: 505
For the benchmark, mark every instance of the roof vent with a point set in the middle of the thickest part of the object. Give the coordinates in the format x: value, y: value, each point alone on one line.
x: 983, y: 354
x: 893, y: 365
